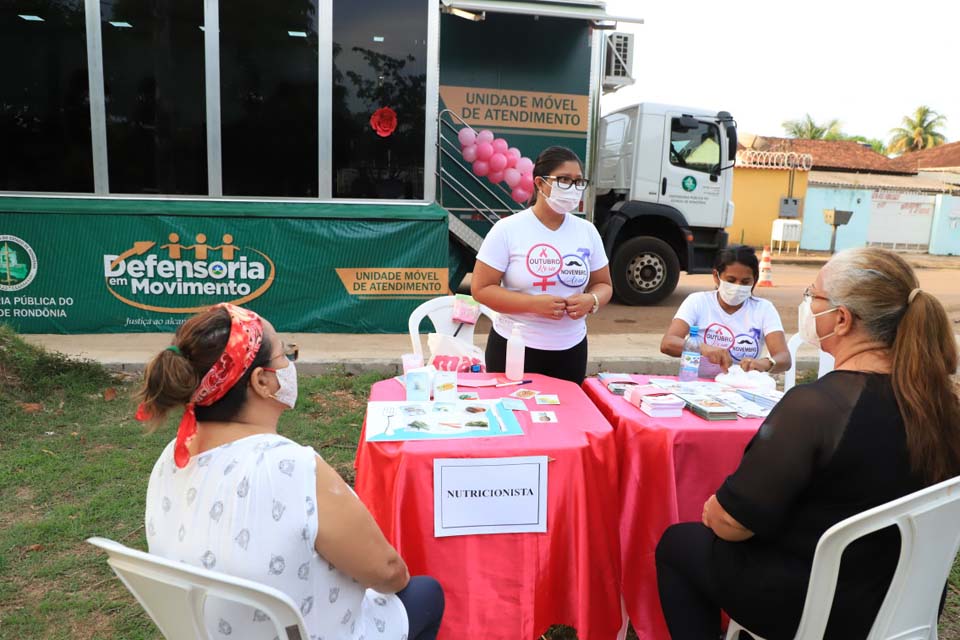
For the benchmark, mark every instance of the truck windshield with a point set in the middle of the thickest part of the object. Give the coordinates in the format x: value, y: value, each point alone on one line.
x: 697, y: 148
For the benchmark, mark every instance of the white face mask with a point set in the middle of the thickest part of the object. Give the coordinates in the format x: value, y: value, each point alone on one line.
x: 287, y: 393
x: 808, y: 323
x: 563, y: 201
x: 734, y: 294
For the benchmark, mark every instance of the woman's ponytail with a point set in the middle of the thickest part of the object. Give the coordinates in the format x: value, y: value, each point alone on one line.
x: 924, y: 363
x: 169, y: 383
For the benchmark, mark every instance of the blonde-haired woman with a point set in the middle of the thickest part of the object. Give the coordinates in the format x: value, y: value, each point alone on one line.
x: 884, y: 424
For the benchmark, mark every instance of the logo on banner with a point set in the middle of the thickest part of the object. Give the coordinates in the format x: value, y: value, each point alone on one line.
x: 18, y: 263
x: 177, y: 277
x: 544, y: 262
x: 575, y: 271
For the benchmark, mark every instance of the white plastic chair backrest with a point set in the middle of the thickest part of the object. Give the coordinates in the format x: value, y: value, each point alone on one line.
x: 826, y: 364
x: 173, y: 593
x: 929, y: 540
x: 440, y: 312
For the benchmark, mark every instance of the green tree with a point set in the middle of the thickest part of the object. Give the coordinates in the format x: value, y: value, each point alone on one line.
x: 810, y: 129
x: 918, y: 131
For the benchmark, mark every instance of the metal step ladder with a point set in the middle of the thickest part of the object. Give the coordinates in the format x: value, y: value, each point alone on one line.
x: 481, y: 199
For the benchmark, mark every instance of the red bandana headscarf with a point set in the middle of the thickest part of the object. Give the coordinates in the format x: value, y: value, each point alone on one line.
x: 246, y: 336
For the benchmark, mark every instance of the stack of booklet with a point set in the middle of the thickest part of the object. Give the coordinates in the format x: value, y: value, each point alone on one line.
x: 662, y: 406
x: 708, y: 408
x: 766, y: 399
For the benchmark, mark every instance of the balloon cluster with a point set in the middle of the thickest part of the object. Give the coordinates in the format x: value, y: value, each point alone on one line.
x: 493, y: 158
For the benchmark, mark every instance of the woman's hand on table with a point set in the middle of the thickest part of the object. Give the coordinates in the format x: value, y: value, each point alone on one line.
x: 754, y: 364
x: 579, y: 305
x: 549, y: 306
x: 723, y: 525
x: 717, y: 355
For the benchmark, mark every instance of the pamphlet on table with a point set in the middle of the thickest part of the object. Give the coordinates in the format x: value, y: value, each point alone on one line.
x: 390, y: 421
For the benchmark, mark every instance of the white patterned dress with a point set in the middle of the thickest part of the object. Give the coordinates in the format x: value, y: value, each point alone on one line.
x: 248, y: 509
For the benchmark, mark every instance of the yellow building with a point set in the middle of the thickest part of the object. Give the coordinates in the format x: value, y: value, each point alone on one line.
x: 761, y: 179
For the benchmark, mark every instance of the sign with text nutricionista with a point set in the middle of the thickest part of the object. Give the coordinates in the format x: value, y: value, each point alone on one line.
x: 88, y: 273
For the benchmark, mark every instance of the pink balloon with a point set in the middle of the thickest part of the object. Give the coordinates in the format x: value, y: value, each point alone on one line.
x: 481, y: 168
x: 511, y: 159
x: 511, y: 177
x: 467, y: 136
x: 525, y: 165
x: 498, y: 162
x: 513, y: 151
x: 526, y: 182
x: 500, y: 146
x: 496, y: 177
x: 485, y: 136
x: 484, y: 150
x: 519, y: 195
x: 470, y: 153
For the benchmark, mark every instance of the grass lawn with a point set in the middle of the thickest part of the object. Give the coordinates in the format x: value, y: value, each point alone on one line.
x: 75, y: 464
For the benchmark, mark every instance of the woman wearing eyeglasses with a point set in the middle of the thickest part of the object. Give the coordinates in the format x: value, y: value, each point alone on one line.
x: 547, y: 270
x: 883, y: 424
x: 232, y: 495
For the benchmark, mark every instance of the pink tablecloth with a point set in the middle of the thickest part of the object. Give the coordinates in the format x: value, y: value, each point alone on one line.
x: 511, y: 586
x: 668, y: 469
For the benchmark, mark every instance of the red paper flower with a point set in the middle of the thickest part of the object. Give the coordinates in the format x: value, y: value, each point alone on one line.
x: 384, y: 121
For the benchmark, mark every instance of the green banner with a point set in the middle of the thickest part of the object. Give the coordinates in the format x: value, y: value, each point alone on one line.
x: 90, y: 272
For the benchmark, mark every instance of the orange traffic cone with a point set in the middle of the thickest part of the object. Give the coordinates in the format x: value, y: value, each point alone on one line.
x: 766, y: 269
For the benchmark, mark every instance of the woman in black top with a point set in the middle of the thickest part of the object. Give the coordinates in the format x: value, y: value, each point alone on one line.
x: 886, y: 423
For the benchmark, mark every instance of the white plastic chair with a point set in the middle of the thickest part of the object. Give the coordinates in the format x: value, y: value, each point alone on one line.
x: 790, y: 375
x: 440, y: 312
x: 929, y: 539
x: 174, y: 593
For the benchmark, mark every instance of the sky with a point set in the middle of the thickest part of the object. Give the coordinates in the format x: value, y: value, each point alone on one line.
x: 867, y: 64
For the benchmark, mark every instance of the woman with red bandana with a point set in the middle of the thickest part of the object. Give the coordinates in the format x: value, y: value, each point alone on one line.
x: 231, y: 495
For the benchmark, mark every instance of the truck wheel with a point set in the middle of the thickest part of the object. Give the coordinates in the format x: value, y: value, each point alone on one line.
x: 644, y: 270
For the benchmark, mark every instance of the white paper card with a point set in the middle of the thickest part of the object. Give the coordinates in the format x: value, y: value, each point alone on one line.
x: 474, y: 496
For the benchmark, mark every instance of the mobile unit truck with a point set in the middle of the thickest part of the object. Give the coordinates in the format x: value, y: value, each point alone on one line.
x: 301, y: 159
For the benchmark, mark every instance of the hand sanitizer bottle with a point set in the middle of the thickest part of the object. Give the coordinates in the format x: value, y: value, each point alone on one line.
x: 515, y: 352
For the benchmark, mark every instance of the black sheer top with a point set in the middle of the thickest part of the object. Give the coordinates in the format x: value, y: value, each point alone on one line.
x: 829, y: 450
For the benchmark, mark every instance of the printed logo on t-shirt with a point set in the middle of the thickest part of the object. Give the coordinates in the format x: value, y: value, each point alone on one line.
x: 544, y: 262
x: 575, y: 271
x: 718, y: 335
x: 746, y: 345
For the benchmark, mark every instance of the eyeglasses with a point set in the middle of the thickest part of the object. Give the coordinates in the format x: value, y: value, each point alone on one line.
x: 565, y: 183
x: 809, y: 296
x: 290, y: 350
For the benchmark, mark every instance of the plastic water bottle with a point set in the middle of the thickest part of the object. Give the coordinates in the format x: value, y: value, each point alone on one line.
x: 516, y: 349
x: 690, y: 358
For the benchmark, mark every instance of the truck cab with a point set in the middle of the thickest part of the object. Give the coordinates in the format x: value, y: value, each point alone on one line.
x: 663, y: 185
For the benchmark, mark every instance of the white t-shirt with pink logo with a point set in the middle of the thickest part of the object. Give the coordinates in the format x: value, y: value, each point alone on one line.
x: 536, y: 260
x: 743, y: 333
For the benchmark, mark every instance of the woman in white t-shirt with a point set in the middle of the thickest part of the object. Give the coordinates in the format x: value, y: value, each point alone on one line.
x: 546, y: 269
x: 734, y: 325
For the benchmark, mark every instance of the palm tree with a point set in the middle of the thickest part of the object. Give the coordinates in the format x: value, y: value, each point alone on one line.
x: 919, y: 131
x: 808, y: 128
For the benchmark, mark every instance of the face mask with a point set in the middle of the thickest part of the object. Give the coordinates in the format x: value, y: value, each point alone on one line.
x: 287, y: 393
x: 563, y: 201
x: 808, y: 323
x: 734, y: 294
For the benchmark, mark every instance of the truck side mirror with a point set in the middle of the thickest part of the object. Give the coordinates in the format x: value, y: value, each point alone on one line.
x: 732, y: 142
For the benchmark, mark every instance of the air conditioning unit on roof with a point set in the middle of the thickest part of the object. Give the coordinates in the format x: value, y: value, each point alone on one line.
x: 618, y: 71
